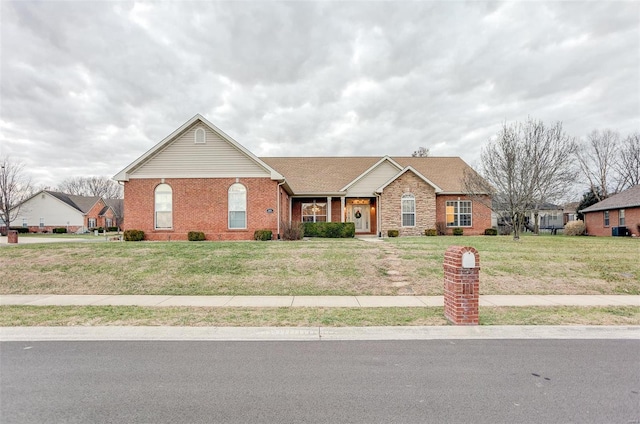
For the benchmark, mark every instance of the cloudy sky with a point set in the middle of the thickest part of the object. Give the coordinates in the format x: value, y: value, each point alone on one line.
x: 87, y: 87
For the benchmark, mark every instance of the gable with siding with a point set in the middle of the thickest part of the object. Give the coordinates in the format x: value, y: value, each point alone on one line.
x: 369, y: 182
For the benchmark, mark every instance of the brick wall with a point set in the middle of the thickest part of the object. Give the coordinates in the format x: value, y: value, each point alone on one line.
x: 595, y: 221
x: 391, y: 205
x: 200, y: 204
x: 480, y: 213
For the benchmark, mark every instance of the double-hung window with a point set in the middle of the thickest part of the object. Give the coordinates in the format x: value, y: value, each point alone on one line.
x: 91, y: 222
x: 314, y: 212
x: 237, y: 206
x: 163, y: 207
x: 621, y: 220
x: 458, y: 213
x: 408, y: 210
x: 606, y: 218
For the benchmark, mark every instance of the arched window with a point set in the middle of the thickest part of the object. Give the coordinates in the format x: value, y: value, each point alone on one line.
x: 408, y: 210
x: 163, y: 207
x: 237, y: 206
x: 200, y: 136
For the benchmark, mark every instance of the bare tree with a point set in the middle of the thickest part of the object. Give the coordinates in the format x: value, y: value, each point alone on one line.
x: 524, y: 166
x: 422, y: 152
x: 92, y: 186
x: 597, y: 160
x: 15, y: 188
x: 628, y: 165
x: 554, y: 173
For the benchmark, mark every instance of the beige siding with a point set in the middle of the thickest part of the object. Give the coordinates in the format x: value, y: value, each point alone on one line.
x: 185, y: 159
x: 55, y: 212
x: 374, y: 179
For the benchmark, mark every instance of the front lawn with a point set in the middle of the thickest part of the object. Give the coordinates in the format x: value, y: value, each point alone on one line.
x: 408, y: 265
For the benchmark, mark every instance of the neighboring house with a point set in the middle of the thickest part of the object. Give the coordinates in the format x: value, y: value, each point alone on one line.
x: 570, y: 211
x: 113, y: 213
x: 616, y: 215
x: 200, y: 179
x: 550, y: 217
x: 47, y: 210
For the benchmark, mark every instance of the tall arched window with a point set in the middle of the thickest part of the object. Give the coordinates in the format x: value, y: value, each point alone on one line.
x: 163, y: 207
x: 408, y: 210
x: 237, y: 206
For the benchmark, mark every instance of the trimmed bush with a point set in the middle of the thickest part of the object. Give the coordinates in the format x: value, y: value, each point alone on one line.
x: 330, y: 229
x: 59, y: 230
x: 441, y: 228
x: 430, y: 232
x: 490, y: 232
x: 112, y: 229
x: 263, y: 235
x: 195, y: 236
x: 20, y: 230
x: 393, y: 233
x: 133, y: 235
x: 458, y: 231
x: 292, y: 231
x: 574, y: 228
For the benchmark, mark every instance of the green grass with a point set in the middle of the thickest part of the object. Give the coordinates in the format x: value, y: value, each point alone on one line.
x: 534, y: 265
x: 305, y: 317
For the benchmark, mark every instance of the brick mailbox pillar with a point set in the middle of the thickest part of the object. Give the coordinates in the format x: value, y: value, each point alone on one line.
x: 12, y: 236
x: 461, y: 285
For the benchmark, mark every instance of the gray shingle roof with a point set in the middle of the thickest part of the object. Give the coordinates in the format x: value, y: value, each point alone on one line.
x: 629, y: 198
x: 81, y: 203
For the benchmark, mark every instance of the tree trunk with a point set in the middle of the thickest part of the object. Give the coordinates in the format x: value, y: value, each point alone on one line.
x: 536, y: 223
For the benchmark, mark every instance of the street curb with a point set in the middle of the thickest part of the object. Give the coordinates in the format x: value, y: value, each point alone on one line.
x: 17, y: 334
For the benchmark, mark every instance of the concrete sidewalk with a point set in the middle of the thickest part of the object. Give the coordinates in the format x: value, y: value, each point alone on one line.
x: 312, y: 301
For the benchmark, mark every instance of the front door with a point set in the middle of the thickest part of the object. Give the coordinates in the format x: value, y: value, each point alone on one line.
x: 361, y: 216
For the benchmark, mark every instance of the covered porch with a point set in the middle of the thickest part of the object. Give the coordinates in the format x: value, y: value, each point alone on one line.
x: 362, y: 211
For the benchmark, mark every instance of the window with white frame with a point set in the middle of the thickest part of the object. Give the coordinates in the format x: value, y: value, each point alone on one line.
x: 163, y: 207
x: 92, y: 223
x: 41, y: 222
x: 408, y: 210
x: 24, y: 223
x: 200, y: 136
x: 237, y: 206
x: 314, y: 212
x: 621, y: 220
x: 606, y: 218
x: 458, y: 213
x: 108, y: 222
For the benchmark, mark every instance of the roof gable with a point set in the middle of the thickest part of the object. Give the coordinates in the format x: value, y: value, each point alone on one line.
x: 404, y: 171
x: 381, y: 170
x: 179, y: 156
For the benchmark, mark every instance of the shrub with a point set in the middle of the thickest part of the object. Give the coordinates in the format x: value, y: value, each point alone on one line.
x: 133, y: 235
x: 441, y: 228
x: 393, y: 233
x: 292, y: 231
x: 574, y: 228
x: 330, y: 229
x: 195, y: 236
x: 59, y: 230
x: 490, y: 232
x: 458, y: 231
x: 263, y: 235
x: 112, y: 229
x: 430, y: 232
x: 20, y: 230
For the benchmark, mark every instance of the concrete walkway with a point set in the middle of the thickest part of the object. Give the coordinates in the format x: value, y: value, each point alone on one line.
x: 312, y: 301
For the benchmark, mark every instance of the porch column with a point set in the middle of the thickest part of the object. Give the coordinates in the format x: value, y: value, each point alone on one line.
x: 328, y: 209
x: 342, y: 209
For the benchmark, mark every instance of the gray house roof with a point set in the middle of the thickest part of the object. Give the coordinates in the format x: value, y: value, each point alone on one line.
x: 630, y: 198
x: 81, y: 203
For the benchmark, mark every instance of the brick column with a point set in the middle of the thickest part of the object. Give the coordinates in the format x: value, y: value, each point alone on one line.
x: 461, y: 285
x: 12, y: 236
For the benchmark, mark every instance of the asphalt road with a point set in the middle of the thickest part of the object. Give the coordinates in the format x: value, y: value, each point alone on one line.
x: 439, y: 381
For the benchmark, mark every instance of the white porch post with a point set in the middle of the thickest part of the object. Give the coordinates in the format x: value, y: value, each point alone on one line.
x: 342, y: 209
x: 328, y: 209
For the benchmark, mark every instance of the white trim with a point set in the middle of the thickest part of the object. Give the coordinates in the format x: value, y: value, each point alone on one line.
x: 204, y: 136
x: 408, y: 196
x: 342, y: 211
x: 374, y: 166
x: 149, y: 154
x: 328, y: 209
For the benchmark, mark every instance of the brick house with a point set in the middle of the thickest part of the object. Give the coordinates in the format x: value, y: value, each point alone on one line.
x: 616, y: 215
x: 48, y: 209
x: 200, y: 179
